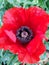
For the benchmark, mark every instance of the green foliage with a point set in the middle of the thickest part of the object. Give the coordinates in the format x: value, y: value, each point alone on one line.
x: 47, y: 45
x: 7, y: 57
x: 47, y: 63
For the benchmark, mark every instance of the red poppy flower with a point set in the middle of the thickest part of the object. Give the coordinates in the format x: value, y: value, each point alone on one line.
x: 23, y: 32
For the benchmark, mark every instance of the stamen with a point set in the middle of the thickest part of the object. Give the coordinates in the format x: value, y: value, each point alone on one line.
x: 24, y: 34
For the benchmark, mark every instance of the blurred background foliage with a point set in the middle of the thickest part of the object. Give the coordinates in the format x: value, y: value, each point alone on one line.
x: 6, y: 57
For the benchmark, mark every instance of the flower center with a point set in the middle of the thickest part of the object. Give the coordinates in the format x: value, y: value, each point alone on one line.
x: 24, y: 34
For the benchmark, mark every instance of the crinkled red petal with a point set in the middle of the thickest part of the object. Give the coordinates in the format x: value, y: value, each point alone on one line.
x: 33, y: 17
x: 27, y: 58
x: 7, y: 44
x: 35, y: 44
x: 41, y: 49
x: 15, y: 48
x: 14, y: 18
x: 38, y: 17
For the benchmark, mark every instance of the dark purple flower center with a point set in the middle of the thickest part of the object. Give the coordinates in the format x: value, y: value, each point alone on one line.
x: 24, y: 34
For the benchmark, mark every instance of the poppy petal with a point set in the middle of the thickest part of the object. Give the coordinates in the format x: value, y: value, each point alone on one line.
x: 14, y: 18
x: 38, y: 17
x: 11, y: 35
x: 34, y: 44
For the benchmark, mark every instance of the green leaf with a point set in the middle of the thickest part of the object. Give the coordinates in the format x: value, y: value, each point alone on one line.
x: 43, y: 56
x: 47, y: 33
x: 42, y: 3
x: 47, y: 63
x: 1, y: 4
x: 1, y: 52
x: 47, y: 3
x: 7, y: 5
x: 47, y: 45
x: 27, y: 4
x: 14, y: 2
x: 11, y: 1
x: 8, y: 58
x: 1, y: 14
x: 35, y: 2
